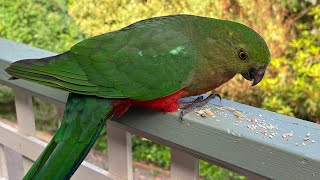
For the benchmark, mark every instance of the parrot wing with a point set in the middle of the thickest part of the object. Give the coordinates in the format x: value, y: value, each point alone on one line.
x: 146, y: 60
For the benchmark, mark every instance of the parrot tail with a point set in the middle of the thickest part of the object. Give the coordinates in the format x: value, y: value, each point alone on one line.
x: 84, y: 117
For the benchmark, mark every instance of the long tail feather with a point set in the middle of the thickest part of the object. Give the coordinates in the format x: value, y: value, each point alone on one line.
x: 84, y: 117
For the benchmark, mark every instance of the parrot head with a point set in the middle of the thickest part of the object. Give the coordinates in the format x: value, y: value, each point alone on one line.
x: 253, y: 54
x: 241, y: 50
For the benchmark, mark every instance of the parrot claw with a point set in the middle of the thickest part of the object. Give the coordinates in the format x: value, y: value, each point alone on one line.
x: 199, y: 102
x: 184, y: 105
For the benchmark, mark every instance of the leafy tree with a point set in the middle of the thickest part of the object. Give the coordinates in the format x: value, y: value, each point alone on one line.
x: 43, y: 24
x: 293, y: 87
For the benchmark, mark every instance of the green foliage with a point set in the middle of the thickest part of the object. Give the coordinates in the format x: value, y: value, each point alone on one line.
x: 293, y: 87
x: 7, y: 109
x: 145, y: 150
x: 96, y: 17
x: 212, y: 172
x: 6, y: 95
x: 43, y: 24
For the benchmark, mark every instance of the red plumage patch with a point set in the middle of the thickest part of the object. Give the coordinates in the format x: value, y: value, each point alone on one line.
x: 166, y: 104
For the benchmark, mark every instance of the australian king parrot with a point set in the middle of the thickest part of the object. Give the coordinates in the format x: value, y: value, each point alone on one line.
x: 151, y: 63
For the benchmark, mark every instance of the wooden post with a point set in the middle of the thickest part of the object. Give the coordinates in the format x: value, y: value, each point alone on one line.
x: 183, y: 166
x: 25, y: 117
x: 119, y: 152
x: 60, y: 108
x: 3, y: 164
x: 14, y: 164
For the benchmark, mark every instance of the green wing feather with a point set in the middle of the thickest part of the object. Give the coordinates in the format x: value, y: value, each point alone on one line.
x: 147, y: 60
x: 60, y: 71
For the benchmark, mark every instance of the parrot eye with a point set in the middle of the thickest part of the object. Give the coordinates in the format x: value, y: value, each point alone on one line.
x: 242, y: 55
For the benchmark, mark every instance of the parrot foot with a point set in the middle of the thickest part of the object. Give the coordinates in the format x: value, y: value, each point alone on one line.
x: 199, y: 102
x: 184, y: 105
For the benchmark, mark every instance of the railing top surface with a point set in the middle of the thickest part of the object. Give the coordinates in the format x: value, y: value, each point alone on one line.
x: 261, y: 142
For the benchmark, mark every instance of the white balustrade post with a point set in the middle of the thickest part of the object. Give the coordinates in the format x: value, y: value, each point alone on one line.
x: 13, y: 163
x: 25, y: 117
x: 3, y: 164
x: 183, y: 166
x: 119, y: 152
x: 60, y: 108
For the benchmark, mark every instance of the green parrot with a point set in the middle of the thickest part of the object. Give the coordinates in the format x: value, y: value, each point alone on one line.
x: 151, y: 63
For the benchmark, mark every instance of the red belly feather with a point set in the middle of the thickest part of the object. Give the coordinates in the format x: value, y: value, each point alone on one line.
x: 166, y: 104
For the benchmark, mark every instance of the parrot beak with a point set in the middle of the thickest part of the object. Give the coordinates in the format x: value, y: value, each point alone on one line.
x: 255, y: 75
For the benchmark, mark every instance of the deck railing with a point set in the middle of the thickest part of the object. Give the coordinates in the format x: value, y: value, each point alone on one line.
x: 256, y: 143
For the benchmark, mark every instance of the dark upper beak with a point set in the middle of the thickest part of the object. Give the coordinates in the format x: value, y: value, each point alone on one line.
x: 255, y: 75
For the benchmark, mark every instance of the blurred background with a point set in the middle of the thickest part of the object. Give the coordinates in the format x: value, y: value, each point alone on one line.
x: 291, y: 85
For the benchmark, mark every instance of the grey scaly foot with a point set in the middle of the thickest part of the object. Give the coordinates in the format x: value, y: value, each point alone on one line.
x: 184, y: 105
x: 199, y: 102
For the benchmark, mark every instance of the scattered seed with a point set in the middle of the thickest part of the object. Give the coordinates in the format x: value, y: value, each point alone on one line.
x: 264, y: 132
x: 286, y: 135
x: 209, y: 112
x: 270, y: 126
x: 273, y: 134
x: 201, y: 113
x: 253, y: 120
x: 231, y: 109
x: 220, y: 108
x: 252, y: 127
x: 238, y: 114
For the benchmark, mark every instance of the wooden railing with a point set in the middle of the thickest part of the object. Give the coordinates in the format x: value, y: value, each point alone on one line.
x: 256, y: 143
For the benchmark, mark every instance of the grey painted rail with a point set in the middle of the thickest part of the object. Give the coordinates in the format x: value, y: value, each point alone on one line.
x: 248, y: 140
